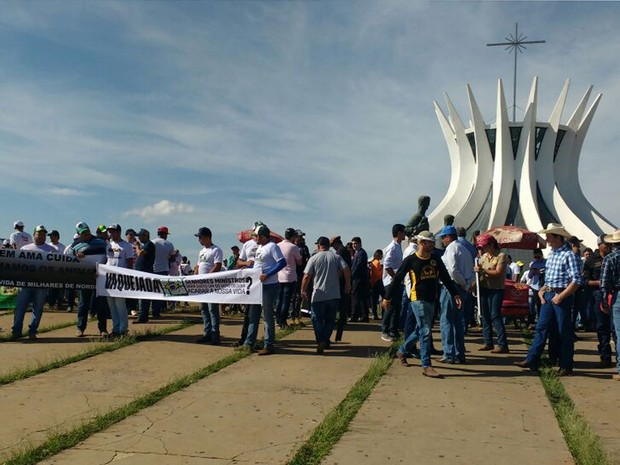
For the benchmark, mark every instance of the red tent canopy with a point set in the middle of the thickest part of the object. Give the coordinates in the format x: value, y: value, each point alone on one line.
x: 513, y: 237
x: 246, y: 235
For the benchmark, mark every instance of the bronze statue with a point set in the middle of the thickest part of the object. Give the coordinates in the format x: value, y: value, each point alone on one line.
x: 419, y: 222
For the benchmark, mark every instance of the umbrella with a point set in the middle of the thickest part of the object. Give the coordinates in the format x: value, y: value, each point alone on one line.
x: 513, y: 237
x: 246, y: 235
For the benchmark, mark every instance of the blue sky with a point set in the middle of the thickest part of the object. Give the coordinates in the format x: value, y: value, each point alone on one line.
x: 314, y: 115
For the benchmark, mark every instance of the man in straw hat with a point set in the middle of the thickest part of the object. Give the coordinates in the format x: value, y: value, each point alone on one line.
x: 562, y: 279
x: 423, y: 271
x: 610, y: 284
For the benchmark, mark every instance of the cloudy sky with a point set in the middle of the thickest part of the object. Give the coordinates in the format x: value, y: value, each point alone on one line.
x: 316, y: 115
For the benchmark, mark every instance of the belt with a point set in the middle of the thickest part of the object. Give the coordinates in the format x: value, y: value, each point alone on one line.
x: 556, y: 289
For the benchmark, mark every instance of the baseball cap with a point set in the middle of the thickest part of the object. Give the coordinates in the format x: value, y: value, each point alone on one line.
x: 101, y: 228
x: 54, y: 233
x: 262, y: 230
x: 447, y: 230
x: 6, y: 243
x: 163, y: 229
x: 18, y: 224
x: 130, y: 231
x: 290, y: 233
x: 574, y: 240
x: 601, y: 239
x: 81, y: 227
x: 323, y: 241
x: 486, y: 239
x: 143, y: 232
x: 334, y: 239
x: 426, y: 236
x: 300, y: 232
x: 40, y: 228
x: 203, y: 232
x: 115, y: 227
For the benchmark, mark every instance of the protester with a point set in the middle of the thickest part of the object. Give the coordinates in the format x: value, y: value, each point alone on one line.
x: 393, y: 257
x: 93, y: 249
x: 33, y: 295
x: 492, y: 271
x: 269, y: 260
x: 424, y: 270
x: 562, y: 278
x: 287, y: 277
x: 19, y: 238
x: 164, y: 254
x: 145, y: 257
x: 324, y: 270
x: 376, y: 282
x: 119, y: 253
x: 210, y: 260
x: 535, y: 281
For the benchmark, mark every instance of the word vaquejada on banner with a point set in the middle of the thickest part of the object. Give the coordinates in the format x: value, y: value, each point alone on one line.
x: 52, y: 270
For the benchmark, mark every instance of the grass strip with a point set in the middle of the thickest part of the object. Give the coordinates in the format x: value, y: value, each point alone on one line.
x: 91, y: 352
x: 336, y: 423
x: 61, y: 441
x: 584, y: 445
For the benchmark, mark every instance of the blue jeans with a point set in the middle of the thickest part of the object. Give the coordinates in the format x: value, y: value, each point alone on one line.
x: 86, y: 301
x: 118, y: 312
x: 159, y: 305
x: 270, y: 295
x: 554, y: 320
x: 285, y: 295
x: 391, y: 317
x: 452, y: 325
x: 25, y: 296
x: 211, y: 319
x: 423, y: 312
x: 491, y: 313
x: 603, y: 328
x: 324, y: 319
x: 615, y: 318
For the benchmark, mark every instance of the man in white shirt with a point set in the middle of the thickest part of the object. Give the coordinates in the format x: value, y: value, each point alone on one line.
x: 210, y: 260
x: 31, y: 294
x: 55, y: 296
x: 392, y: 259
x: 269, y: 260
x: 19, y: 238
x: 119, y: 253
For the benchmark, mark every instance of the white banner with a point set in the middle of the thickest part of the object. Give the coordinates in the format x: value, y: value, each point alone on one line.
x: 234, y: 287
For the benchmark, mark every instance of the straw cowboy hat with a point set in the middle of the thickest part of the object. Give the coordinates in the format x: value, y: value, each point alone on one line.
x: 613, y: 238
x: 556, y: 228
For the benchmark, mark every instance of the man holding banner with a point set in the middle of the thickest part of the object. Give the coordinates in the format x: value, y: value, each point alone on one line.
x: 119, y: 253
x: 210, y: 260
x: 31, y: 294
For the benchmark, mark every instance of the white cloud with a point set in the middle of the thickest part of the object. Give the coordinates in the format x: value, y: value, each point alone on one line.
x: 163, y: 208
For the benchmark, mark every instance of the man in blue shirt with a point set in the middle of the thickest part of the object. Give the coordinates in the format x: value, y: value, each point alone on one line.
x: 562, y: 279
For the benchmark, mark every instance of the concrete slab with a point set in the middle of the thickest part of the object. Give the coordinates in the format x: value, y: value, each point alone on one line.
x: 65, y: 397
x: 485, y: 412
x: 592, y: 390
x: 62, y: 343
x: 259, y: 410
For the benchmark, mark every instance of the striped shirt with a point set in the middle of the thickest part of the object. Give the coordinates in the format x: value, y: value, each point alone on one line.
x: 563, y: 267
x: 610, y: 272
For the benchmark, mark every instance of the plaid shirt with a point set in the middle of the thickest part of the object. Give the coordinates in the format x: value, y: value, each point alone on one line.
x: 610, y: 272
x: 563, y: 267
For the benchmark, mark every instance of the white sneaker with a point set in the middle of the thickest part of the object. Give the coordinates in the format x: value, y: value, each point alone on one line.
x: 79, y: 333
x: 386, y: 337
x: 134, y: 313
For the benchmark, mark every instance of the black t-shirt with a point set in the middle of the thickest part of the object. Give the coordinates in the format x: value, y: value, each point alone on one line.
x: 592, y: 267
x: 424, y: 274
x: 145, y: 262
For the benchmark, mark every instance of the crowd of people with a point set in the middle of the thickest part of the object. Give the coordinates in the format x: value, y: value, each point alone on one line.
x: 338, y: 282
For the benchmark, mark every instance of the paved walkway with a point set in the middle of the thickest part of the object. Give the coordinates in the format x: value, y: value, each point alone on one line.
x: 485, y: 412
x: 262, y: 409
